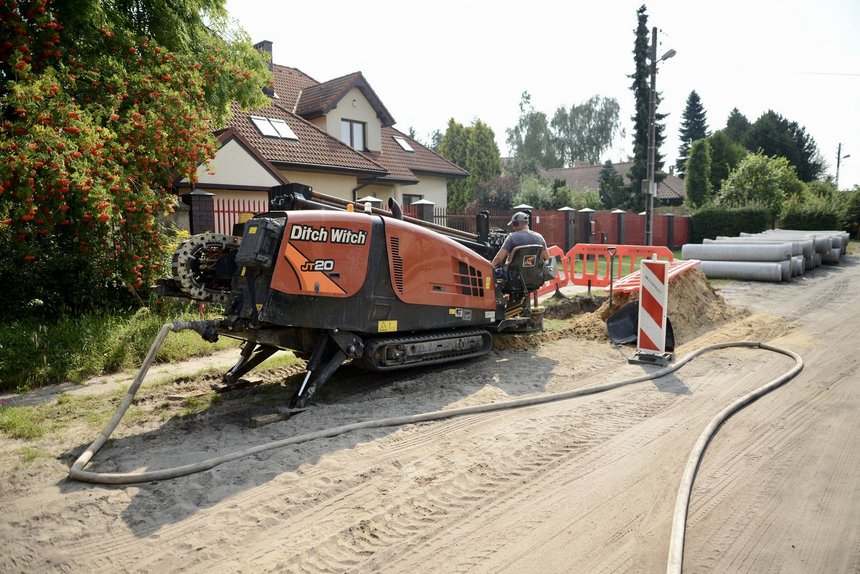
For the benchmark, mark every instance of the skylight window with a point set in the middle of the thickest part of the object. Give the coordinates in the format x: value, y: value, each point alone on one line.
x: 403, y: 143
x: 274, y: 128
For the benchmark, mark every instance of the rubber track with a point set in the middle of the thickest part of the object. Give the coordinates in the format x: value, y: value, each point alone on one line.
x: 374, y: 344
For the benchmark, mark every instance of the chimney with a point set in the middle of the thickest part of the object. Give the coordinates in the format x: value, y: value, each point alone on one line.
x: 265, y: 47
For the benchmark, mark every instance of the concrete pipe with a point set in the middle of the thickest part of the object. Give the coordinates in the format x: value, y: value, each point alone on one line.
x: 822, y: 242
x: 798, y: 246
x: 737, y: 251
x: 785, y: 269
x: 832, y: 256
x: 797, y: 265
x: 744, y: 270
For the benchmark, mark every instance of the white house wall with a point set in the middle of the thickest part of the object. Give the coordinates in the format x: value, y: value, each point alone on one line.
x: 330, y: 184
x: 433, y: 189
x: 354, y: 106
x: 234, y: 165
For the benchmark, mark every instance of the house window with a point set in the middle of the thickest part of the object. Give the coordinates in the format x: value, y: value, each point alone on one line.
x: 403, y: 143
x: 352, y: 134
x: 274, y: 128
x: 409, y: 199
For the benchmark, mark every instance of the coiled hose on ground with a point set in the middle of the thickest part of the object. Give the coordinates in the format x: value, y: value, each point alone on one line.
x: 676, y: 545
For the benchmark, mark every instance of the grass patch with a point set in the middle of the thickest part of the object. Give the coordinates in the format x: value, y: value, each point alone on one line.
x: 36, y: 353
x: 28, y: 455
x: 95, y: 410
x: 23, y: 422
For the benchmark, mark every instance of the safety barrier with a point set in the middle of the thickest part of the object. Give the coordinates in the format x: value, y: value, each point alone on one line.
x: 630, y: 283
x: 588, y: 264
x: 562, y: 271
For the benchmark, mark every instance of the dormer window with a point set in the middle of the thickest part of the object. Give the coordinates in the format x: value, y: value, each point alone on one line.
x: 352, y: 134
x: 403, y: 143
x: 274, y: 128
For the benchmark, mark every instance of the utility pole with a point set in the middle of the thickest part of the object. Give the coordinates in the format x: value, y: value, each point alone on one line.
x: 839, y: 158
x: 649, y: 186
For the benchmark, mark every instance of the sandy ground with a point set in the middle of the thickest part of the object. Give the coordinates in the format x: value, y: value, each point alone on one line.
x: 584, y: 485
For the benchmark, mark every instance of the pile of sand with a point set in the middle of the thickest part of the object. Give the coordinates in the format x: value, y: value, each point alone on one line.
x: 694, y: 308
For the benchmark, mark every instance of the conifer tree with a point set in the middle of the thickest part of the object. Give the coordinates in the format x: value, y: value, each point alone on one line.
x: 642, y: 93
x: 694, y: 126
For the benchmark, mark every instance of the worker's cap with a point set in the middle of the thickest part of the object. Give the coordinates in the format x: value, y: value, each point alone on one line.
x: 519, y: 217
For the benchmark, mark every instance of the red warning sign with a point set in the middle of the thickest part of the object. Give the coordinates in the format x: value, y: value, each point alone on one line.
x: 653, y: 300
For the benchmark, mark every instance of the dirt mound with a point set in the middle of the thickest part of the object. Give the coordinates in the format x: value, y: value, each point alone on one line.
x: 694, y: 308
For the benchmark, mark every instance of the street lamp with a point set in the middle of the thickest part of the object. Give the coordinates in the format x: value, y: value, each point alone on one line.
x: 649, y: 185
x: 839, y: 158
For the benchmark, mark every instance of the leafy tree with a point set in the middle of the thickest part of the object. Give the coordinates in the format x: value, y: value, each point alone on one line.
x: 530, y: 140
x: 725, y: 156
x: 586, y: 131
x: 102, y: 105
x: 761, y: 181
x: 852, y: 211
x: 694, y: 126
x: 454, y: 147
x: 582, y: 199
x: 825, y: 190
x: 642, y: 93
x: 497, y: 192
x: 474, y: 149
x: 482, y: 155
x: 737, y: 126
x: 698, y: 180
x: 611, y: 186
x: 435, y: 140
x: 559, y: 195
x: 534, y: 191
x: 775, y: 136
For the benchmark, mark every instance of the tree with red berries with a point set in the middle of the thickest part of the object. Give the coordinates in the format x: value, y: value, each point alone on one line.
x: 102, y: 105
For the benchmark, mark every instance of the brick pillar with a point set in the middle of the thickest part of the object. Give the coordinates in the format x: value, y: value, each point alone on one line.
x: 425, y: 209
x: 202, y: 213
x: 569, y: 227
x: 584, y: 217
x: 620, y: 224
x: 670, y: 230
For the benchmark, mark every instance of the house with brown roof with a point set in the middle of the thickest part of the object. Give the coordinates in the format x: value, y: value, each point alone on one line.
x: 335, y: 136
x: 670, y: 191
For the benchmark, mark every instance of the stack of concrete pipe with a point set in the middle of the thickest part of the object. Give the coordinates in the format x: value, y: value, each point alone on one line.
x: 774, y: 255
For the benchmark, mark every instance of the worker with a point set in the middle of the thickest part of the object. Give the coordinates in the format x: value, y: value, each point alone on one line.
x: 520, y: 235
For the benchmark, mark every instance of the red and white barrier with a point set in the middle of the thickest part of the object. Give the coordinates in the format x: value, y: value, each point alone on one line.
x: 653, y: 300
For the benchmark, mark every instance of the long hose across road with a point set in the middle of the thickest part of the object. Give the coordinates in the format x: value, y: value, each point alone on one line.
x: 676, y: 546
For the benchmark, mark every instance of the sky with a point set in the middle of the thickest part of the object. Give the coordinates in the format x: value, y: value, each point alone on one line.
x: 431, y: 61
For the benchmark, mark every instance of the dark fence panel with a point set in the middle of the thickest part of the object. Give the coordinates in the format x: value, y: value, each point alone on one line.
x: 551, y: 224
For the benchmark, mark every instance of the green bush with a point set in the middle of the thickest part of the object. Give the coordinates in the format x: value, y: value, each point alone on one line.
x: 709, y: 222
x: 811, y: 215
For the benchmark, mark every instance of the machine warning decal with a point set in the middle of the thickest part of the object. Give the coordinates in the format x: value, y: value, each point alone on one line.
x: 387, y: 326
x: 529, y: 260
x: 491, y: 315
x: 324, y: 234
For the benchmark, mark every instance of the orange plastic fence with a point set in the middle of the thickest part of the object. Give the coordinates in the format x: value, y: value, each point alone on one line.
x: 593, y: 261
x: 562, y: 271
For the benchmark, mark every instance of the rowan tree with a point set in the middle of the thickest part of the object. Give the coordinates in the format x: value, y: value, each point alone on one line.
x: 103, y: 104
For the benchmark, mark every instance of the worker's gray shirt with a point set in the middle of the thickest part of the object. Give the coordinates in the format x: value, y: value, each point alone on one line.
x: 523, y: 237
